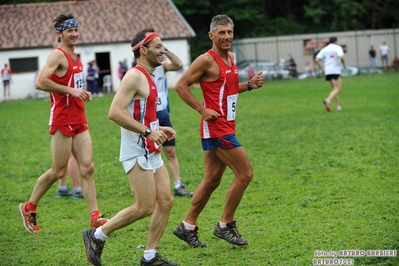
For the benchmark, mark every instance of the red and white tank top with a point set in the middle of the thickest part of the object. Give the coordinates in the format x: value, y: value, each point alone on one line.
x: 221, y: 95
x: 66, y: 109
x: 143, y: 111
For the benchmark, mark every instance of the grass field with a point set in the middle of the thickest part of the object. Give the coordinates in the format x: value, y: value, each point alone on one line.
x: 322, y: 181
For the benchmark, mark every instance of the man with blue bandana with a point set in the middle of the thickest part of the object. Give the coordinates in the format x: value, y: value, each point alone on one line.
x: 62, y: 77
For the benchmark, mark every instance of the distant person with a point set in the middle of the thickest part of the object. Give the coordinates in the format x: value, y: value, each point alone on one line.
x: 91, y: 81
x: 169, y: 147
x: 63, y: 190
x: 6, y: 77
x: 251, y: 71
x: 373, y: 58
x: 384, y: 49
x: 62, y: 76
x: 309, y: 70
x: 96, y: 73
x: 134, y: 110
x: 218, y: 78
x: 333, y: 56
x: 122, y: 68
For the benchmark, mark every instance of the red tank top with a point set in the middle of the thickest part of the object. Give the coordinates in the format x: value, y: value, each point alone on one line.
x: 221, y: 95
x: 145, y: 111
x: 66, y: 109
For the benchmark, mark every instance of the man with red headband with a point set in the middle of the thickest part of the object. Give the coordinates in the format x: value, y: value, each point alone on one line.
x: 134, y: 110
x: 62, y: 77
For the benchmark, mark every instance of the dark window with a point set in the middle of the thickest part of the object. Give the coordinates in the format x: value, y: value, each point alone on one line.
x: 22, y: 65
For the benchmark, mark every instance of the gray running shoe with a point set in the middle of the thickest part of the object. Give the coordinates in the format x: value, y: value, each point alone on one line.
x: 157, y: 260
x: 94, y: 247
x: 63, y: 193
x: 230, y: 234
x: 181, y: 191
x: 77, y: 194
x: 191, y: 237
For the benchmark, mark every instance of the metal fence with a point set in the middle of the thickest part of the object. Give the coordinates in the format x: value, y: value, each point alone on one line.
x: 302, y: 48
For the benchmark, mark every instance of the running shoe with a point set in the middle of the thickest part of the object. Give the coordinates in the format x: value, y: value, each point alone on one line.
x: 191, y: 237
x: 327, y: 104
x: 94, y: 247
x: 78, y: 194
x: 63, y: 193
x: 29, y: 219
x: 181, y: 191
x: 230, y: 234
x: 157, y: 260
x: 99, y: 222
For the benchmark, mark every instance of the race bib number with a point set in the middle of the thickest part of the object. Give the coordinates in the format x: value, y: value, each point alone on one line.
x: 162, y: 101
x: 155, y: 126
x: 79, y: 82
x: 231, y: 107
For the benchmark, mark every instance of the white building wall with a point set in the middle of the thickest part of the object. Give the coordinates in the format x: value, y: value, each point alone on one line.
x: 23, y: 84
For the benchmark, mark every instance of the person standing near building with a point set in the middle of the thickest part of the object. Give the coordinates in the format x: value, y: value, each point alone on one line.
x: 134, y: 110
x: 6, y: 77
x: 217, y: 75
x: 62, y: 76
x: 373, y: 58
x: 96, y: 73
x: 91, y: 80
x: 333, y: 57
x: 384, y: 49
x: 163, y: 108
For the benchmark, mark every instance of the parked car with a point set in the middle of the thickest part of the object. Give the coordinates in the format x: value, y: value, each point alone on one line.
x: 270, y: 70
x: 349, y: 71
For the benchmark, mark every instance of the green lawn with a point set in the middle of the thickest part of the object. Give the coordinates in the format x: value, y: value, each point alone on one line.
x: 322, y: 181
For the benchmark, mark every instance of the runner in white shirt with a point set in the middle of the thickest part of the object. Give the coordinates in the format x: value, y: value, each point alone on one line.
x: 172, y: 64
x: 332, y: 56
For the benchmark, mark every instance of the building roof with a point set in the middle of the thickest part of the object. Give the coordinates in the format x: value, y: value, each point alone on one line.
x: 100, y: 22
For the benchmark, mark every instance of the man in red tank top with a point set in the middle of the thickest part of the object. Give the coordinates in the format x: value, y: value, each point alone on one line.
x: 134, y: 110
x: 62, y: 77
x: 217, y: 75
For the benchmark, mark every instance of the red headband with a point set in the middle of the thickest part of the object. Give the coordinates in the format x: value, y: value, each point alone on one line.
x: 146, y: 40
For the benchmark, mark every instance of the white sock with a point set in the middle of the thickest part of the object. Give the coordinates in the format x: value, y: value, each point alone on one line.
x: 100, y: 235
x: 188, y: 226
x: 149, y: 254
x: 222, y: 224
x: 339, y: 108
x: 177, y: 184
x: 64, y: 187
x: 327, y: 101
x: 78, y: 189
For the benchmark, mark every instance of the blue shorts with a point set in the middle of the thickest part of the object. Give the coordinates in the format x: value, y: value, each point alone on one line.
x: 384, y: 58
x: 227, y: 142
x: 330, y: 77
x: 165, y: 122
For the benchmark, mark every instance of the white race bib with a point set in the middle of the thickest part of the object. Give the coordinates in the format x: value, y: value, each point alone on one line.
x: 231, y: 107
x: 155, y: 126
x: 78, y: 78
x: 162, y: 101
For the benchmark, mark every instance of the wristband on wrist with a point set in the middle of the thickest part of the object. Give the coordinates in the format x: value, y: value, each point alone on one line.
x: 249, y: 86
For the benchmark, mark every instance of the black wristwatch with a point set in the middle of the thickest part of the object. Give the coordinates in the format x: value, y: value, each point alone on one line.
x: 249, y: 88
x: 147, y: 132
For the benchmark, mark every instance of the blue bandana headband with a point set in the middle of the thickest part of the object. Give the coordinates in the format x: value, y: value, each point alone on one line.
x: 67, y: 24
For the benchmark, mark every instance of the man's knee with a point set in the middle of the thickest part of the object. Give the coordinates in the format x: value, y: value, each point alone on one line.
x: 246, y: 177
x: 88, y: 170
x: 57, y: 174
